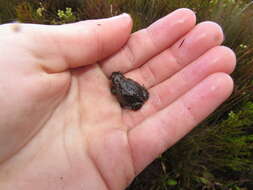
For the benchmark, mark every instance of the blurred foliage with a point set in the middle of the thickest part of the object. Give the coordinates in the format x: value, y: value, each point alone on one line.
x: 218, y: 155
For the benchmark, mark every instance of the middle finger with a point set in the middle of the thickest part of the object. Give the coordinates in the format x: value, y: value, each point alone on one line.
x: 204, y: 36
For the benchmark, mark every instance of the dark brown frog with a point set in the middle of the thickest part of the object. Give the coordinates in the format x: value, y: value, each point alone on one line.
x: 129, y: 93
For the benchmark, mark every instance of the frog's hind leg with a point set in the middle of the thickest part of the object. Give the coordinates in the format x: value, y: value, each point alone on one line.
x: 136, y: 106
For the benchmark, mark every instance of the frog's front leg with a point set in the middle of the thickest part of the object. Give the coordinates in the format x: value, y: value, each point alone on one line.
x: 113, y: 90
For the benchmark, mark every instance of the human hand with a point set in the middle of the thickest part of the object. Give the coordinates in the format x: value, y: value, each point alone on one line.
x: 61, y: 128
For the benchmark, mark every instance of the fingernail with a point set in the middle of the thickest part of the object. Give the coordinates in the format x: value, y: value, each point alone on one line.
x: 122, y: 16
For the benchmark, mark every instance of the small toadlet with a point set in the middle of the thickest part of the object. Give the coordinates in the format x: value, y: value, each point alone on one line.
x: 129, y: 93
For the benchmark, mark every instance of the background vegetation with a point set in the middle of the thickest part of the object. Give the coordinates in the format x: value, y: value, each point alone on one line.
x: 218, y: 155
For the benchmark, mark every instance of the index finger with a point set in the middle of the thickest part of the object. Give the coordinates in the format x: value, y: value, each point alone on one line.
x: 145, y: 44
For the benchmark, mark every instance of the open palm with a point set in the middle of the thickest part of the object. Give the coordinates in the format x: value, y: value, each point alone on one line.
x: 60, y: 126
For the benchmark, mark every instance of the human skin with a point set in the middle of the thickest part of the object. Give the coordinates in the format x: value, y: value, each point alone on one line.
x: 61, y: 128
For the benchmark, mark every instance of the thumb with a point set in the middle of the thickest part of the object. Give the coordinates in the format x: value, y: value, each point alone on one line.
x: 77, y: 44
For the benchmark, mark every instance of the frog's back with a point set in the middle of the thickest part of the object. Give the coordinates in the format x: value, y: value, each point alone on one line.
x: 130, y: 87
x: 133, y: 91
